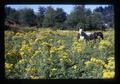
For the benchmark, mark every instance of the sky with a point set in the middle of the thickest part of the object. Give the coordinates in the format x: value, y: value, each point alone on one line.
x: 67, y: 8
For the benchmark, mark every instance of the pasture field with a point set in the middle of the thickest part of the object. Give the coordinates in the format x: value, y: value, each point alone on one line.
x: 48, y: 54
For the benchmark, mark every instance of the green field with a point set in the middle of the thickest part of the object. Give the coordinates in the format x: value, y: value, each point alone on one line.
x: 48, y: 54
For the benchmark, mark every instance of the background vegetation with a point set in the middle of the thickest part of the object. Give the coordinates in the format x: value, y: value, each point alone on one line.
x: 78, y: 17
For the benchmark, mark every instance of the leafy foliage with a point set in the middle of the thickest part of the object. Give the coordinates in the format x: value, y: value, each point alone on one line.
x: 57, y: 18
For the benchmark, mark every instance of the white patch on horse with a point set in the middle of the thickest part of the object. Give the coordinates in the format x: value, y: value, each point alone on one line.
x: 88, y: 33
x: 81, y: 38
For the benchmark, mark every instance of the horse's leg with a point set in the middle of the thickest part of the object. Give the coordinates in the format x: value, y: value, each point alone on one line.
x: 102, y: 36
x: 87, y: 42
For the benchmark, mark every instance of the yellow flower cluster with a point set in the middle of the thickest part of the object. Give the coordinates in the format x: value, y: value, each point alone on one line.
x: 25, y: 48
x: 64, y: 56
x: 97, y: 61
x: 8, y: 65
x: 104, y: 44
x: 109, y: 68
x: 55, y: 49
x: 22, y: 61
x: 108, y: 74
x: 37, y: 52
x: 61, y: 47
x: 74, y: 67
x: 35, y: 77
x: 88, y: 62
x: 31, y: 70
x: 18, y: 34
x: 78, y: 46
x: 111, y: 63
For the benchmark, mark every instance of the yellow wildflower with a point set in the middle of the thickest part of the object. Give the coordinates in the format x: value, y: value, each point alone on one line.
x: 111, y: 65
x: 53, y: 49
x: 22, y: 53
x: 61, y: 59
x: 93, y: 59
x: 111, y: 58
x: 88, y: 62
x: 108, y: 74
x: 54, y: 69
x: 79, y: 47
x: 75, y: 67
x: 100, y: 62
x: 8, y: 53
x: 61, y: 47
x: 104, y: 44
x: 64, y: 55
x: 30, y: 50
x: 8, y: 65
x: 37, y: 53
x: 44, y: 43
x: 34, y: 77
x: 31, y: 70
x: 17, y: 34
x: 22, y: 61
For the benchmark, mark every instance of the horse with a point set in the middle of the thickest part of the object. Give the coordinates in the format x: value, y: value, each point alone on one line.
x: 89, y: 36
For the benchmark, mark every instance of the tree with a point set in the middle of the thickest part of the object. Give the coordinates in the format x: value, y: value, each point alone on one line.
x: 49, y: 20
x: 107, y: 13
x: 9, y: 11
x: 27, y: 17
x: 95, y: 20
x: 76, y: 17
x: 12, y: 13
x: 40, y: 16
x: 60, y: 17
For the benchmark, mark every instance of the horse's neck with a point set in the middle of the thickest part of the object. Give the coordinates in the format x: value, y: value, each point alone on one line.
x: 80, y: 31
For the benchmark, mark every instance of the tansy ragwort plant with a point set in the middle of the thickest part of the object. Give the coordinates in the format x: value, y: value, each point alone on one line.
x: 48, y: 54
